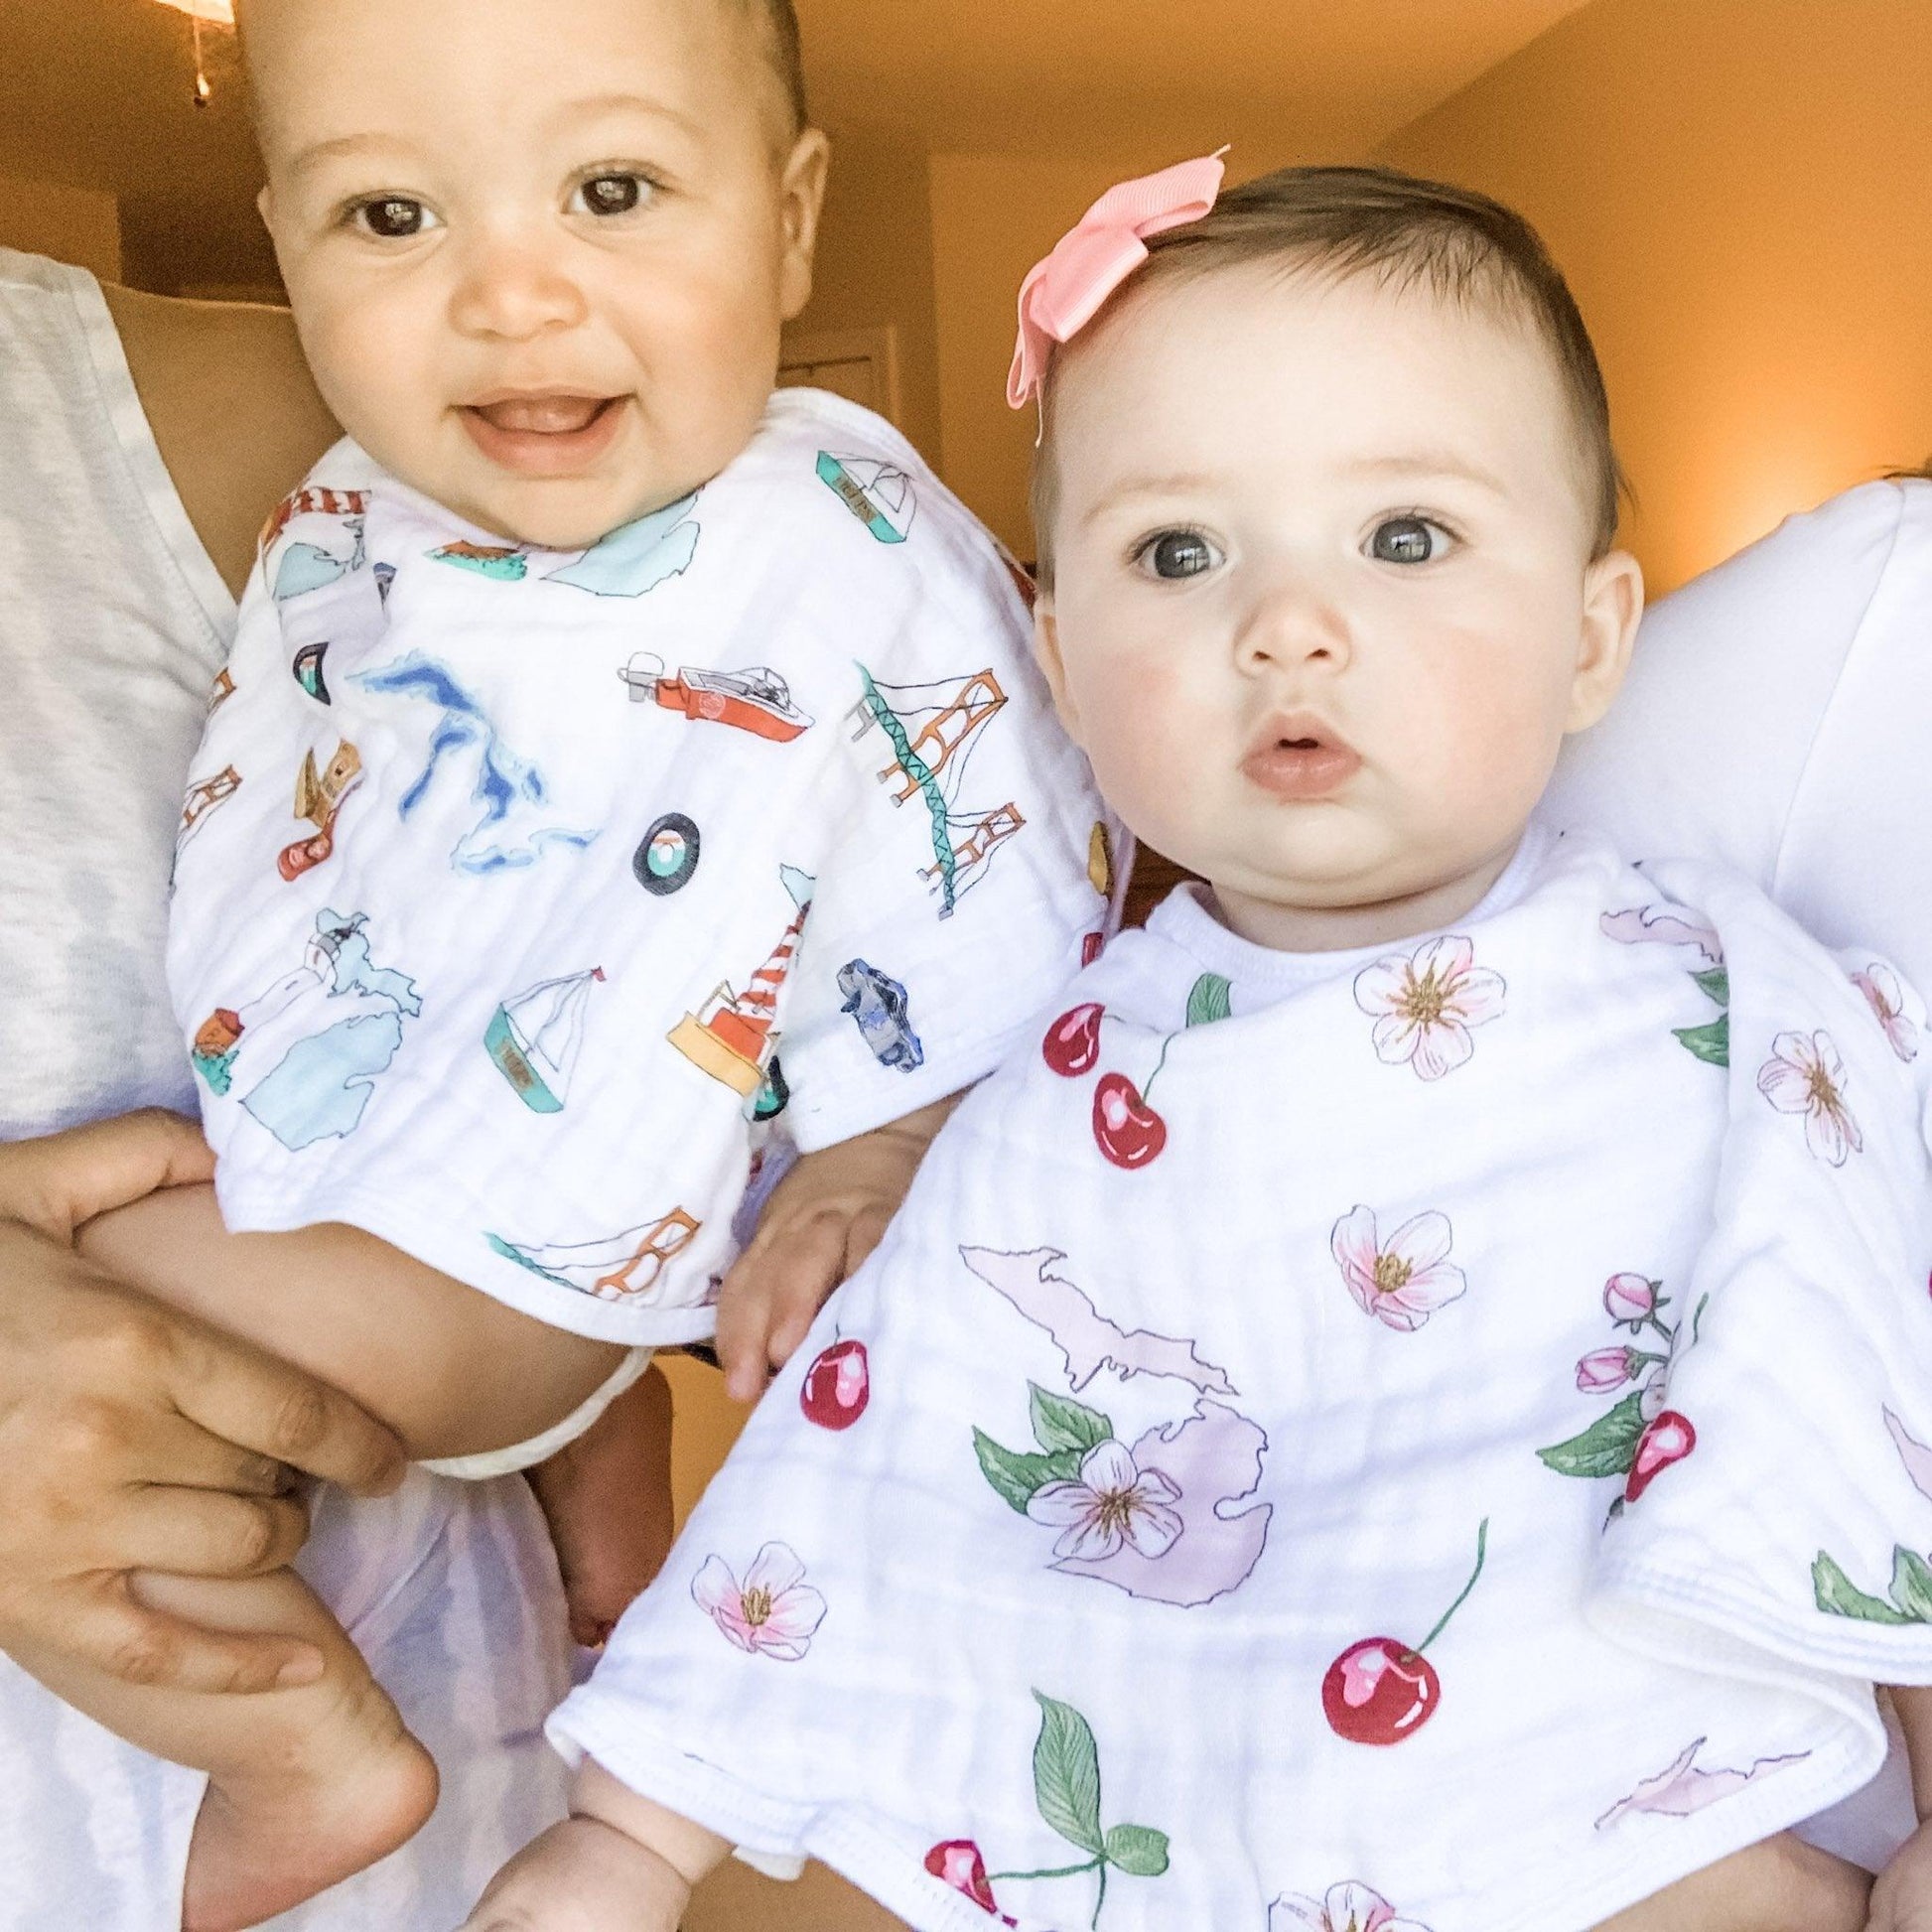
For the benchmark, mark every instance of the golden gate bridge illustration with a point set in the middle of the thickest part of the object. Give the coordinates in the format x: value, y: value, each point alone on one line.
x: 732, y: 1036
x: 932, y: 728
x: 615, y: 1269
x: 535, y: 1037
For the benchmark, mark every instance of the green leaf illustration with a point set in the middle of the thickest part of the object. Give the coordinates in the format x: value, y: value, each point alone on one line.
x: 1066, y: 1775
x: 1715, y: 985
x: 1060, y: 1423
x: 1015, y: 1476
x: 1608, y: 1448
x: 1710, y: 1043
x: 1912, y: 1584
x: 1208, y: 1001
x: 1837, y: 1596
x: 1138, y: 1848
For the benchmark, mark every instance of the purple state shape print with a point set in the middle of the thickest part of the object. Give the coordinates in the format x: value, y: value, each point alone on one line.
x: 1211, y: 1462
x: 1088, y: 1340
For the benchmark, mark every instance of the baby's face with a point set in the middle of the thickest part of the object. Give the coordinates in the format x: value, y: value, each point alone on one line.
x: 1323, y: 606
x: 539, y: 251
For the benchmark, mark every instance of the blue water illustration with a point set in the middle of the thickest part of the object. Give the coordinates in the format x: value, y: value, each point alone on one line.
x: 512, y: 829
x: 637, y: 557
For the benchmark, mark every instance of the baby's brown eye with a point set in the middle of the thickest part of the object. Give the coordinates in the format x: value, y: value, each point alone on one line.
x: 393, y: 217
x: 612, y: 194
x: 1406, y: 540
x: 1179, y: 553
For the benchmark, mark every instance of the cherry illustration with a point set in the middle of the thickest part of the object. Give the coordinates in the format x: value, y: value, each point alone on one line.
x: 837, y: 1386
x: 1073, y: 1042
x: 958, y: 1863
x: 1381, y: 1690
x: 1669, y: 1438
x: 1129, y: 1132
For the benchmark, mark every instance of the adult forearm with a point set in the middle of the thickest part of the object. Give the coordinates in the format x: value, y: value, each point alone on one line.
x: 452, y: 1371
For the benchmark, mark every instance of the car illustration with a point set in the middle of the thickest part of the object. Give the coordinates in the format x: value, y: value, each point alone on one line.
x: 877, y: 1002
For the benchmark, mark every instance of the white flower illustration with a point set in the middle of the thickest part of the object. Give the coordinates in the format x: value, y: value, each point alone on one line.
x: 1424, y: 1003
x: 1404, y: 1282
x: 1111, y: 1504
x: 1805, y: 1075
x: 1351, y: 1907
x: 771, y: 1614
x: 1887, y: 999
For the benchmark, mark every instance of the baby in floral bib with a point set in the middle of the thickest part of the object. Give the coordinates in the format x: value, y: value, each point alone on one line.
x: 1404, y: 1410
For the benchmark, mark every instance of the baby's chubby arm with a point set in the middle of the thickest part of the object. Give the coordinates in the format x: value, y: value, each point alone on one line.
x: 617, y: 1863
x: 450, y: 1370
x: 1901, y: 1900
x: 823, y: 1219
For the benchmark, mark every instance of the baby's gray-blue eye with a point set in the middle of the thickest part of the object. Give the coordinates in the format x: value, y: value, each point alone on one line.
x: 611, y: 193
x: 1404, y: 540
x: 1179, y: 553
x: 393, y: 217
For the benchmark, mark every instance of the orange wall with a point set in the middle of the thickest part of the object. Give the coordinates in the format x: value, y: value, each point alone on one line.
x: 73, y: 224
x: 1735, y: 189
x: 875, y: 265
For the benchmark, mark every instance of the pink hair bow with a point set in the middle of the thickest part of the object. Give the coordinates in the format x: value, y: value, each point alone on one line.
x: 1063, y: 293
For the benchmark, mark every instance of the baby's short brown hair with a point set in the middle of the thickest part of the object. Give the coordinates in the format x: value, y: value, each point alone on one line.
x: 1404, y: 232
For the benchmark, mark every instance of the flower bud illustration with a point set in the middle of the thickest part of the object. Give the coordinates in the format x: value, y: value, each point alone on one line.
x: 1605, y: 1369
x: 1630, y: 1298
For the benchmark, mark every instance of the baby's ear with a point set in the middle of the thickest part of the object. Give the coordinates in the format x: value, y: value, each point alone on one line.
x: 1612, y: 606
x: 1052, y: 668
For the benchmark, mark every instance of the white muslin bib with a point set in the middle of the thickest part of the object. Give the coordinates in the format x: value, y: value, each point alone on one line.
x: 1436, y: 1434
x: 518, y: 892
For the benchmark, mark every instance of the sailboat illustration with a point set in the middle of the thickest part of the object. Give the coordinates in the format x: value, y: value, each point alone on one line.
x: 932, y: 728
x: 618, y: 1268
x: 733, y: 1035
x: 535, y: 1035
x: 878, y: 495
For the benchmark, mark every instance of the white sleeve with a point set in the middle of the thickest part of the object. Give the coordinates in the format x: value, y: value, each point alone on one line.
x: 1712, y: 750
x: 974, y: 872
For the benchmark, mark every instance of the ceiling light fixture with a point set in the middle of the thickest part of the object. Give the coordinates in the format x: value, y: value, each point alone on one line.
x: 222, y: 13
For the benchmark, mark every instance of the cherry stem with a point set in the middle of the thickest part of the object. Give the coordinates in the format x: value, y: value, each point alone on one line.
x: 1442, y: 1625
x: 1157, y: 1065
x: 1056, y: 1872
x: 1094, y: 1922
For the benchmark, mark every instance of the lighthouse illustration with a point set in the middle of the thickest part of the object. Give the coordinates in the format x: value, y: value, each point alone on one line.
x: 733, y: 1035
x: 932, y: 730
x: 620, y: 1268
x: 535, y: 1037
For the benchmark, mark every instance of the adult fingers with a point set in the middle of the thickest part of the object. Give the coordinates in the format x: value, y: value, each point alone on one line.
x: 104, y: 1628
x: 70, y: 1177
x: 206, y: 1533
x: 250, y: 1399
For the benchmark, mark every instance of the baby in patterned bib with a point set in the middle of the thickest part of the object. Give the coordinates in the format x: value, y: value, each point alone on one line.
x: 624, y: 778
x: 1404, y: 1406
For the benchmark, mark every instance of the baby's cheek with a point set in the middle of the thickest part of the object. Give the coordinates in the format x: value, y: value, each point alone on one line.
x: 1148, y: 743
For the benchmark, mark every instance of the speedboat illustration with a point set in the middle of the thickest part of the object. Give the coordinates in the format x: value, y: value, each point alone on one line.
x: 756, y: 699
x: 505, y: 562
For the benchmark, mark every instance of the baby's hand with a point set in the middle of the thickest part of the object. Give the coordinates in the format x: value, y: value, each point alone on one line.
x: 823, y: 1219
x: 1901, y: 1900
x: 608, y: 1500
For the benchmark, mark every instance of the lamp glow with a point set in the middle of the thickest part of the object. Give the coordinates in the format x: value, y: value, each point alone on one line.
x: 221, y: 12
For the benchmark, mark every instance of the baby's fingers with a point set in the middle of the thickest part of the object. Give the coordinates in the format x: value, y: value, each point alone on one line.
x: 771, y: 1297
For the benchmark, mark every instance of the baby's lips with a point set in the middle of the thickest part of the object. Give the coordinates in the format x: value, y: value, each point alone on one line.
x: 541, y: 415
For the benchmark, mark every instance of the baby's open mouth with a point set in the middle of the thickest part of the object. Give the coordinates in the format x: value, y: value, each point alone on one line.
x: 554, y: 433
x: 1295, y: 764
x: 557, y: 415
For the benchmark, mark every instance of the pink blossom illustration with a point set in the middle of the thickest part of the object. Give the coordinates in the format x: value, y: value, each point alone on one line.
x: 771, y: 1614
x: 1604, y: 1369
x: 1805, y: 1075
x: 1630, y: 1298
x: 1211, y: 1462
x: 1351, y: 1907
x: 1887, y: 999
x: 1915, y: 1455
x: 1109, y: 1506
x: 1664, y: 925
x: 1424, y: 1003
x: 1404, y: 1282
x: 1681, y: 1788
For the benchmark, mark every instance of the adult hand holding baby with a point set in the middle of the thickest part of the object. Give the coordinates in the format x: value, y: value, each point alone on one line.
x: 132, y: 1435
